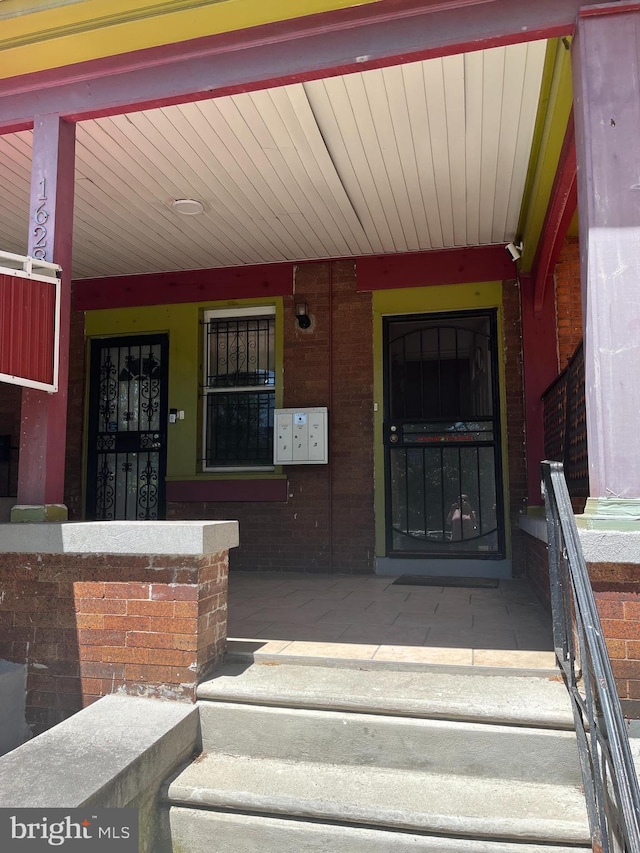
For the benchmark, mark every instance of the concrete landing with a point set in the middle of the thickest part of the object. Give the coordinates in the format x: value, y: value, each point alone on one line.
x: 370, y: 618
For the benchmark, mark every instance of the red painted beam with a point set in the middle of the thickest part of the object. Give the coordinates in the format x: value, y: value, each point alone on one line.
x: 168, y: 288
x: 227, y: 491
x: 383, y: 33
x: 540, y: 363
x: 380, y: 272
x: 619, y: 8
x: 447, y: 266
x: 562, y: 206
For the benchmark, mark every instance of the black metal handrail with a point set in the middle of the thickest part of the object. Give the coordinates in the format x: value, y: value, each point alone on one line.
x: 610, y: 783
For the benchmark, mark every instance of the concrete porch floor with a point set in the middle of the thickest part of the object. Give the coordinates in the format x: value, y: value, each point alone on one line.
x: 370, y: 618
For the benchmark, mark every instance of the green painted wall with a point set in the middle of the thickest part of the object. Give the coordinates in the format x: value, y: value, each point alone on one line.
x: 183, y: 323
x: 422, y: 300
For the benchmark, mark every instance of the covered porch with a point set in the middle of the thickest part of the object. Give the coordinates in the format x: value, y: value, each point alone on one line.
x: 372, y: 618
x: 346, y: 201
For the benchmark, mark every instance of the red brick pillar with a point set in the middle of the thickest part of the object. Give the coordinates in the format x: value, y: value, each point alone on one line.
x: 91, y: 623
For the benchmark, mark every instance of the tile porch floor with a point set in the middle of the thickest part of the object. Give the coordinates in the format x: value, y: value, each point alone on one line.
x: 369, y: 618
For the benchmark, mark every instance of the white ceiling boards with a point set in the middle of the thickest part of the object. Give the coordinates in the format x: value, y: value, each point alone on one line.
x: 426, y: 155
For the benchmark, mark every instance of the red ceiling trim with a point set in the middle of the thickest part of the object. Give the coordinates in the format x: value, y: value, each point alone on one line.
x: 371, y: 36
x: 608, y: 9
x: 379, y: 272
x: 562, y: 206
x: 422, y: 269
x: 169, y: 288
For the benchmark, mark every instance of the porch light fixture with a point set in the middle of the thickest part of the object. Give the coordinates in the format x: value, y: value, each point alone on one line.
x: 187, y: 206
x: 515, y: 250
x: 302, y: 315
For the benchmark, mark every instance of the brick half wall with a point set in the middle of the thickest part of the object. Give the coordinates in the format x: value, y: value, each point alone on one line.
x: 90, y: 626
x: 616, y: 589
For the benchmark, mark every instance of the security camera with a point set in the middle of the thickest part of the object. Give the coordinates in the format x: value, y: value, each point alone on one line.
x: 515, y: 251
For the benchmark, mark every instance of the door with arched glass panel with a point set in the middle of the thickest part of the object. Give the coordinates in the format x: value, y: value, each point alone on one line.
x: 442, y: 436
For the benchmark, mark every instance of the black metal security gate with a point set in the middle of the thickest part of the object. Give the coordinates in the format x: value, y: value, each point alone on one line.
x: 442, y: 436
x: 127, y: 440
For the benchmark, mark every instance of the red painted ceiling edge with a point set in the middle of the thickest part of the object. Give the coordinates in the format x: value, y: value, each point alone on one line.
x: 308, y: 48
x: 562, y: 206
x: 378, y: 272
x: 276, y: 32
x: 167, y: 288
x: 608, y: 9
x: 307, y: 76
x: 426, y: 269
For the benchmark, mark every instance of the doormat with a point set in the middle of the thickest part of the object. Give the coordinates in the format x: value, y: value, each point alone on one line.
x: 421, y: 580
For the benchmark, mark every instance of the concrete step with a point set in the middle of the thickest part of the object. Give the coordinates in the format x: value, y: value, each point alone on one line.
x: 507, y: 699
x: 366, y: 740
x: 354, y: 758
x: 193, y: 830
x: 385, y: 797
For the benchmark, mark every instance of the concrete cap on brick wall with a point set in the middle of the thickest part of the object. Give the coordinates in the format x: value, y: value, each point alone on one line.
x: 120, y: 537
x: 610, y: 546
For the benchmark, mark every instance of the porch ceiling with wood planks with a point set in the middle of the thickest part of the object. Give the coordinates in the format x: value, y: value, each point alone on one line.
x: 421, y: 156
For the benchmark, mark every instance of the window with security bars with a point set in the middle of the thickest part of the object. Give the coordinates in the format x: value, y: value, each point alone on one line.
x: 239, y: 388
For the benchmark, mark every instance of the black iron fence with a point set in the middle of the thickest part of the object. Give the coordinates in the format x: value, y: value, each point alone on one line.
x: 610, y: 783
x: 565, y: 424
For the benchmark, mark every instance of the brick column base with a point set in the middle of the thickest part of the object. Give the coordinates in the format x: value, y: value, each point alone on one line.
x: 93, y: 624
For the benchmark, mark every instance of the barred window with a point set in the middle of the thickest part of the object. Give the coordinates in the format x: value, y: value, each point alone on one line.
x: 239, y: 388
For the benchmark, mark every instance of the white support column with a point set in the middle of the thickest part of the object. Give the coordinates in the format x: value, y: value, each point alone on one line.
x: 606, y: 72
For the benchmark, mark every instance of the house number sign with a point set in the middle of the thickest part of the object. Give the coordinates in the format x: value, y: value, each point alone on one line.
x: 40, y: 217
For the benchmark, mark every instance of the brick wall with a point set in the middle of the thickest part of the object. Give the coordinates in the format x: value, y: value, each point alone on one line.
x: 514, y: 392
x: 327, y: 523
x: 616, y: 588
x: 90, y: 625
x: 537, y: 568
x: 568, y: 300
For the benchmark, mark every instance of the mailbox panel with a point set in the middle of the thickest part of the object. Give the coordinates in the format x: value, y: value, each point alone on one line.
x: 301, y: 436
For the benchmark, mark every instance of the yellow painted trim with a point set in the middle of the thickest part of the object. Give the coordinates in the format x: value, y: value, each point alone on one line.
x: 94, y: 29
x: 182, y: 322
x: 547, y: 145
x: 425, y: 300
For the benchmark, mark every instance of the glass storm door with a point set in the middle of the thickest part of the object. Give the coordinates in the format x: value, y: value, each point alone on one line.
x: 127, y: 441
x: 442, y: 437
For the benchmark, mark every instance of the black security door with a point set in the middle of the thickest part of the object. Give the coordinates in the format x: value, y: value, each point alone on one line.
x: 442, y: 437
x: 127, y: 440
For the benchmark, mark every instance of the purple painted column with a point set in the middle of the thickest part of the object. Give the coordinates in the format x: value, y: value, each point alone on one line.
x: 44, y: 416
x: 606, y: 73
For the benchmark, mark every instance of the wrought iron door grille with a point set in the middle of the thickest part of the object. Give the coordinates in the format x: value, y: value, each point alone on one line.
x: 442, y: 436
x: 127, y: 429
